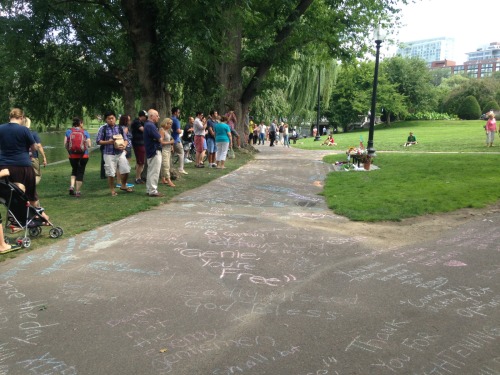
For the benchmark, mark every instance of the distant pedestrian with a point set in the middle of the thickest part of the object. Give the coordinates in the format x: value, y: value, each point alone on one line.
x: 35, y: 160
x: 491, y: 128
x: 200, y: 124
x: 210, y: 138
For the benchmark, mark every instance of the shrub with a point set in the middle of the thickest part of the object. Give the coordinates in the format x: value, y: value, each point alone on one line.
x: 491, y: 105
x: 470, y: 109
x: 424, y: 116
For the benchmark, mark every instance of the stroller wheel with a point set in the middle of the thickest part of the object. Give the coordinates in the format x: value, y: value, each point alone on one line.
x: 60, y: 230
x: 26, y: 241
x: 54, y: 233
x: 35, y: 231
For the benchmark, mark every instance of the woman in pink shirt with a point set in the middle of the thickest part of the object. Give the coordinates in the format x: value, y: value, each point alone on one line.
x: 491, y: 128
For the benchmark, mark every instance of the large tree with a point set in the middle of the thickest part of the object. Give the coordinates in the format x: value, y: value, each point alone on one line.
x: 147, y: 47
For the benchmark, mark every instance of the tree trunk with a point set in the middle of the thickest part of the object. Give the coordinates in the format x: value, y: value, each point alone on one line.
x: 142, y: 17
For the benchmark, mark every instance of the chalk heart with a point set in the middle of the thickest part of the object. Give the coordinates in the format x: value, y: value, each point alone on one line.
x: 101, y: 246
x: 455, y: 263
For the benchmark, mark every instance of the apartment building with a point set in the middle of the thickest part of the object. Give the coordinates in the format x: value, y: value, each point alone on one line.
x: 430, y: 50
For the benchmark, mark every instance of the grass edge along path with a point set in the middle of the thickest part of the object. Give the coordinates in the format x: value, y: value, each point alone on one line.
x: 97, y: 207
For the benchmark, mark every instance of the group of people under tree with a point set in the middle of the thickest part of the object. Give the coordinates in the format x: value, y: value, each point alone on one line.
x: 153, y: 143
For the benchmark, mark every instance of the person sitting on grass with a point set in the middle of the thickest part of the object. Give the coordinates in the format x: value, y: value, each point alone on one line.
x: 329, y: 141
x: 412, y: 140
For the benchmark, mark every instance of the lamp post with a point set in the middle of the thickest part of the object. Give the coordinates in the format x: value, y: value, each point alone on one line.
x: 318, y: 132
x: 378, y: 35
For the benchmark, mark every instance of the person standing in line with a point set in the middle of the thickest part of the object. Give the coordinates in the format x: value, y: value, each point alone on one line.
x: 110, y: 136
x: 152, y: 145
x: 491, y: 129
x: 251, y: 128
x: 281, y: 129
x: 199, y: 138
x: 137, y: 130
x: 223, y: 140
x: 210, y: 138
x: 78, y: 161
x: 124, y: 124
x: 232, y: 120
x: 35, y: 161
x: 262, y: 132
x: 166, y: 151
x: 176, y: 132
x: 188, y: 138
x: 16, y: 141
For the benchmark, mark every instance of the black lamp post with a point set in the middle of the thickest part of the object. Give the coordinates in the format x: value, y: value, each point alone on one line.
x: 318, y: 131
x: 378, y: 35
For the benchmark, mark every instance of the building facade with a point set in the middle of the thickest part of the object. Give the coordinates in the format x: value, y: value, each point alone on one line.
x: 435, y: 49
x: 480, y: 64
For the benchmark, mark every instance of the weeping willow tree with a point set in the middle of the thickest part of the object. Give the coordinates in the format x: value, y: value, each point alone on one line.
x: 293, y: 93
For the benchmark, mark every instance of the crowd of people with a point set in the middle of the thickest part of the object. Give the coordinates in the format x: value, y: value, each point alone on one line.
x: 273, y: 133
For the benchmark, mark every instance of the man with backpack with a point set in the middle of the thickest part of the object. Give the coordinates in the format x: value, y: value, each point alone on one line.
x: 114, y: 141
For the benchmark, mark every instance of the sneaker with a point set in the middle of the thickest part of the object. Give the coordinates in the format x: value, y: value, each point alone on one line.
x: 214, y: 165
x: 78, y: 194
x: 71, y: 190
x: 200, y: 166
x: 138, y: 181
x: 157, y: 194
x: 183, y: 171
x: 187, y: 161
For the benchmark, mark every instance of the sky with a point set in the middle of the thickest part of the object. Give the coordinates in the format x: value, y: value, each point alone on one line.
x: 472, y: 24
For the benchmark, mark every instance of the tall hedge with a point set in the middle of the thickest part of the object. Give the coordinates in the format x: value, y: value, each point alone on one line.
x: 491, y: 105
x: 470, y: 109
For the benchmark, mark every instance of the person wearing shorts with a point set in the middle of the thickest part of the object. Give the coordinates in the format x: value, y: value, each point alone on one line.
x: 210, y: 139
x: 114, y: 155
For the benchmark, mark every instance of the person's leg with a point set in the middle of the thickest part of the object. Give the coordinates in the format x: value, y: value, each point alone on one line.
x: 179, y: 150
x: 154, y: 167
x: 3, y: 245
x: 110, y: 167
x: 74, y: 172
x: 124, y: 168
x: 82, y: 163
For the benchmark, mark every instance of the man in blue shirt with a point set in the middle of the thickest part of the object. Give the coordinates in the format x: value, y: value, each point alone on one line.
x: 114, y: 141
x: 152, y: 146
x: 176, y: 132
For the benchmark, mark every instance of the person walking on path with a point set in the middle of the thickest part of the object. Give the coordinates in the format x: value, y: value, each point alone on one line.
x: 176, y: 132
x: 491, y: 129
x: 35, y: 161
x: 110, y: 136
x: 152, y: 145
x: 79, y: 160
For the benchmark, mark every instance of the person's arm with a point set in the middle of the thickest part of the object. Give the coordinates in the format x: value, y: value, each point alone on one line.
x: 42, y: 152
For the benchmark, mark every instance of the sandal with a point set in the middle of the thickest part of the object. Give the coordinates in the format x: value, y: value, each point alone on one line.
x: 114, y: 193
x: 127, y: 190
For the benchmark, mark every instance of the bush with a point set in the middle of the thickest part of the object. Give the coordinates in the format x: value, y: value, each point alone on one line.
x: 470, y: 109
x: 425, y: 116
x: 491, y: 105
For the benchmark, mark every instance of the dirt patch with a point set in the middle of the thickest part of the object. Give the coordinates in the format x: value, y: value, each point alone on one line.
x: 395, y: 234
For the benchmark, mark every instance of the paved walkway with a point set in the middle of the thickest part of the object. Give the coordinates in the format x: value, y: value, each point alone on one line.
x: 249, y: 274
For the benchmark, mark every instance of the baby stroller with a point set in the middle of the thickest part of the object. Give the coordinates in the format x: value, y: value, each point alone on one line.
x: 21, y: 215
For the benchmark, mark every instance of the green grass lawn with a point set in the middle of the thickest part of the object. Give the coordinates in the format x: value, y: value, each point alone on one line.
x: 97, y: 207
x: 449, y: 169
x: 433, y: 136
